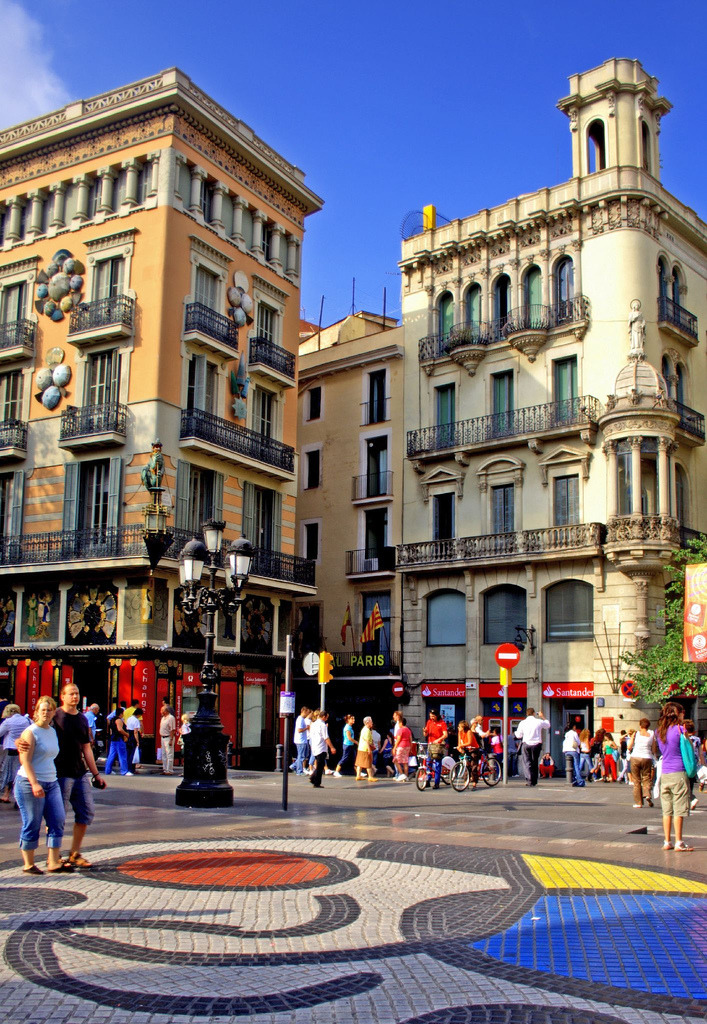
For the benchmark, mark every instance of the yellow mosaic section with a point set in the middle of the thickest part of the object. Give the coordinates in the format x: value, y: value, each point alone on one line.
x: 561, y: 873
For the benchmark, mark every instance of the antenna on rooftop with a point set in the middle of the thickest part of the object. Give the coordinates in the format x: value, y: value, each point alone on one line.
x: 353, y: 296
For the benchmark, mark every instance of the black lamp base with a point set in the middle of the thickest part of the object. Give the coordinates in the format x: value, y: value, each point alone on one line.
x: 205, y: 782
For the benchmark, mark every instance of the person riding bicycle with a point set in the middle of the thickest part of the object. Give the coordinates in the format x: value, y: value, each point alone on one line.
x: 469, y: 745
x: 436, y: 732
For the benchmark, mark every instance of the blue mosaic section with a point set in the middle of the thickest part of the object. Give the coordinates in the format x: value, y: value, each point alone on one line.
x: 652, y: 943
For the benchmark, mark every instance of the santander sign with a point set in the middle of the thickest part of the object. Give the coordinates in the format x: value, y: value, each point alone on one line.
x: 568, y: 690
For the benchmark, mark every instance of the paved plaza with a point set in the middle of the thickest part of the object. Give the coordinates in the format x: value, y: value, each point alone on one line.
x: 361, y: 903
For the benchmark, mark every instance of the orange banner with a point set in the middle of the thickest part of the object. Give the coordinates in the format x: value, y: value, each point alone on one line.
x: 694, y: 647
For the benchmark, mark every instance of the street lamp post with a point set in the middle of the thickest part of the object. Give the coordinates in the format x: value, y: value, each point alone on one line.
x: 205, y: 782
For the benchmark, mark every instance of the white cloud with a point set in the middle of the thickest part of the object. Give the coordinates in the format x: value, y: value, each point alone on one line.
x: 28, y: 86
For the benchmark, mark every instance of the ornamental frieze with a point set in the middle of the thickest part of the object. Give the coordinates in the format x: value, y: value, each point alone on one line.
x: 653, y: 424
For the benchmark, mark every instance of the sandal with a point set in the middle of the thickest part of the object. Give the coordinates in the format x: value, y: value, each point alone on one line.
x: 64, y: 866
x: 34, y: 870
x: 78, y: 860
x: 682, y: 847
x: 667, y: 845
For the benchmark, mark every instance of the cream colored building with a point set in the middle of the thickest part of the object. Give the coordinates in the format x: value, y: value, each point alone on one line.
x: 350, y: 434
x: 530, y: 498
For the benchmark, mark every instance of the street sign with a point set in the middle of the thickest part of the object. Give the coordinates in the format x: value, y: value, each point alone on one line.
x: 287, y: 702
x: 310, y: 663
x: 507, y: 656
x: 398, y: 689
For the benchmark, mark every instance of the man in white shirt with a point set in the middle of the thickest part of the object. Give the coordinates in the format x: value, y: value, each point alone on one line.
x: 319, y: 742
x: 301, y: 740
x: 530, y: 734
x: 570, y: 748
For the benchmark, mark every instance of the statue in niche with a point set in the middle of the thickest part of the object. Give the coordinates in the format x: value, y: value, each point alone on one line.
x: 153, y: 472
x: 637, y: 331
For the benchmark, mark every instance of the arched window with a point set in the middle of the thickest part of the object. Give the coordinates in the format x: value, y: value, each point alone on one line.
x: 682, y: 497
x: 666, y: 368
x: 680, y: 385
x: 445, y: 308
x: 564, y: 288
x: 446, y: 619
x: 502, y: 299
x: 569, y: 611
x: 596, y: 147
x: 645, y: 147
x: 532, y: 291
x: 504, y: 608
x: 662, y: 279
x: 676, y: 286
x: 473, y: 304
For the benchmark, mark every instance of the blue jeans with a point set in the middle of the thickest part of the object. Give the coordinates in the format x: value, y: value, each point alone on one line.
x: 34, y: 808
x: 119, y: 750
x: 301, y: 754
x: 574, y: 754
x: 348, y: 757
x: 585, y: 761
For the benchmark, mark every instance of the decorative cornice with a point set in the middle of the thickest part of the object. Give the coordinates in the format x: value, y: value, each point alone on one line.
x: 200, y: 246
x: 110, y: 241
x: 266, y: 286
x: 27, y: 266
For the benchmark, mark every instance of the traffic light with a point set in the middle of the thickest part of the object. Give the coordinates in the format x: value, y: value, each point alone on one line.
x: 326, y: 667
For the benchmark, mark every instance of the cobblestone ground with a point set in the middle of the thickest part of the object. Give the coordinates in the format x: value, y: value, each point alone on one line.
x: 353, y: 928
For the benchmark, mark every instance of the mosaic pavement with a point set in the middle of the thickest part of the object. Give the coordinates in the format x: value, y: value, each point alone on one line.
x: 336, y: 931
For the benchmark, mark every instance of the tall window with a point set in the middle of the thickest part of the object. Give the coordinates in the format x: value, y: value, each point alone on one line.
x: 502, y: 300
x: 266, y: 322
x: 569, y: 610
x: 473, y: 304
x: 110, y: 277
x: 102, y: 378
x: 263, y: 412
x: 596, y: 147
x: 675, y: 282
x: 564, y: 287
x: 446, y: 619
x: 13, y: 306
x: 566, y: 500
x: 649, y: 476
x: 11, y: 391
x: 262, y: 516
x: 680, y: 383
x: 93, y: 495
x: 202, y: 384
x: 311, y: 541
x: 443, y: 516
x: 532, y: 291
x: 502, y: 399
x: 381, y: 638
x: 376, y: 466
x: 206, y: 288
x: 623, y: 481
x: 201, y: 498
x: 502, y: 509
x: 646, y: 146
x: 666, y: 368
x: 263, y: 512
x: 682, y: 497
x: 505, y: 608
x: 94, y: 197
x: 564, y: 373
x: 376, y: 527
x: 446, y: 313
x: 267, y: 241
x: 6, y: 504
x: 314, y: 403
x: 313, y: 468
x: 376, y: 397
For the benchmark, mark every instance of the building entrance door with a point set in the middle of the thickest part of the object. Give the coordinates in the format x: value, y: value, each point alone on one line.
x: 578, y: 713
x: 91, y: 677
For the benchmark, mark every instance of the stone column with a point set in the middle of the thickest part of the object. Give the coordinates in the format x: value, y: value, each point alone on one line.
x: 431, y: 320
x: 198, y: 174
x: 673, y: 486
x: 58, y: 191
x: 642, y: 631
x: 37, y: 197
x: 220, y: 190
x: 612, y: 503
x: 636, y: 475
x: 258, y: 221
x: 577, y: 261
x: 239, y: 205
x: 457, y: 294
x: 291, y: 269
x: 132, y: 171
x: 83, y: 185
x: 278, y: 233
x: 664, y: 446
x: 107, y: 176
x: 153, y: 161
x: 12, y: 234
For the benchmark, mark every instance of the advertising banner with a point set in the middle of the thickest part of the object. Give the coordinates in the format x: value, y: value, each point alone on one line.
x: 568, y: 691
x: 694, y: 647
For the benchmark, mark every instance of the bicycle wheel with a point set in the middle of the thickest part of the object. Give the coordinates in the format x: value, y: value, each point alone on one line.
x: 459, y: 776
x: 491, y: 771
x: 421, y: 778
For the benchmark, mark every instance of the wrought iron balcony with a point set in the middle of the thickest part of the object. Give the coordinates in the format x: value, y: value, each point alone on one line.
x: 204, y: 320
x: 377, y: 411
x: 275, y: 565
x: 107, y: 422
x: 366, y: 560
x: 115, y: 311
x: 262, y: 350
x: 13, y: 437
x: 691, y: 421
x: 74, y: 545
x: 532, y: 419
x: 231, y: 437
x: 674, y: 315
x: 492, y: 546
x: 372, y: 485
x: 17, y: 338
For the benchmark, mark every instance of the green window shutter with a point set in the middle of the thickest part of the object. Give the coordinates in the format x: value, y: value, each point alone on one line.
x: 71, y: 488
x: 181, y: 501
x: 248, y: 516
x: 18, y: 498
x: 276, y: 521
x: 115, y: 479
x: 218, y: 496
x: 199, y: 382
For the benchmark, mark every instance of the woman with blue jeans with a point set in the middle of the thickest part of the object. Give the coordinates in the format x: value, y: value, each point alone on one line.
x: 37, y: 791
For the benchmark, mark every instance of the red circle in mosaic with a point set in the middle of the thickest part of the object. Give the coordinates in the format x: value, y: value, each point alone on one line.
x: 228, y: 869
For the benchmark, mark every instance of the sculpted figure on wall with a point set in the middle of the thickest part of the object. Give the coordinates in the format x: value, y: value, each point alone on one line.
x: 637, y: 330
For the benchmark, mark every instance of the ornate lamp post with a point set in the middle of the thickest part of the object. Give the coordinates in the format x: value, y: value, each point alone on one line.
x: 205, y: 783
x: 156, y: 535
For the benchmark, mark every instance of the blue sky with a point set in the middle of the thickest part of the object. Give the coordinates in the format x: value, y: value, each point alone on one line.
x: 385, y: 106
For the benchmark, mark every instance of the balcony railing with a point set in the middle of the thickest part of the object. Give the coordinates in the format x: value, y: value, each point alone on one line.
x: 691, y: 421
x: 17, y: 333
x: 275, y: 565
x: 526, y: 318
x: 499, y: 545
x: 672, y: 313
x: 72, y: 545
x: 264, y: 351
x: 372, y: 485
x: 110, y: 417
x: 116, y: 310
x: 234, y: 438
x: 214, y: 325
x: 532, y: 419
x: 13, y: 434
x: 377, y: 411
x: 370, y: 560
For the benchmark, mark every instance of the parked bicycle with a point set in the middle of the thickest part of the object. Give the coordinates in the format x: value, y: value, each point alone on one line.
x: 489, y: 769
x: 425, y: 769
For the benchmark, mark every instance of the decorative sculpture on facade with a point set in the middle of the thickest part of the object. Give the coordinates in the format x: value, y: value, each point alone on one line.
x: 52, y: 379
x: 153, y: 471
x: 59, y: 286
x: 637, y: 331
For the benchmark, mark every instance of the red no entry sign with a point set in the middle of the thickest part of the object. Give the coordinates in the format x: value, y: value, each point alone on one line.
x: 507, y: 655
x: 398, y: 689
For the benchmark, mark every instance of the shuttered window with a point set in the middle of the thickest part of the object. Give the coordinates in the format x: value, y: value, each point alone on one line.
x: 502, y: 500
x: 206, y: 287
x: 505, y: 608
x: 566, y: 500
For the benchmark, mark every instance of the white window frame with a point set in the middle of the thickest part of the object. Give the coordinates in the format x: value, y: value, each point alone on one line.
x: 274, y: 298
x: 303, y: 538
x: 120, y: 245
x: 305, y: 450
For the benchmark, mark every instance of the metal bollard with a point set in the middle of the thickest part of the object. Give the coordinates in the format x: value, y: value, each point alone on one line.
x: 569, y: 769
x: 278, y: 757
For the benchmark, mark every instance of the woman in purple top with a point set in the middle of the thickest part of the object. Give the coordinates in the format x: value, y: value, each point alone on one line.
x: 674, y: 789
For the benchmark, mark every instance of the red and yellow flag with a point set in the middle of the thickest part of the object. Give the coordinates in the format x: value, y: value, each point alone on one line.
x: 375, y: 622
x: 346, y: 623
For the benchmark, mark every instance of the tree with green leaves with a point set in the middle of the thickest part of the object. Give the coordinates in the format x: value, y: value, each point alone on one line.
x: 659, y: 671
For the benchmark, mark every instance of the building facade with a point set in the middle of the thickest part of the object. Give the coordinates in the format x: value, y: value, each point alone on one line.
x: 150, y: 253
x: 349, y: 510
x: 530, y: 498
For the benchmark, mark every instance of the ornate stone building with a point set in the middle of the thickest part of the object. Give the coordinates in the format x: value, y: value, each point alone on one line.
x: 555, y: 352
x: 150, y: 253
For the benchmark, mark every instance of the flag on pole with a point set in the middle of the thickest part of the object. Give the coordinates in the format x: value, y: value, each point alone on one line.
x: 346, y: 623
x: 375, y: 622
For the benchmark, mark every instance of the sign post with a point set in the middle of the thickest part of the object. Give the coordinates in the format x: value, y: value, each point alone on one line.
x: 287, y: 710
x: 507, y: 657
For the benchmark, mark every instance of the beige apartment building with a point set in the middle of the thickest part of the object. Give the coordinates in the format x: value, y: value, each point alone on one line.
x: 150, y: 261
x: 554, y: 417
x: 350, y: 430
